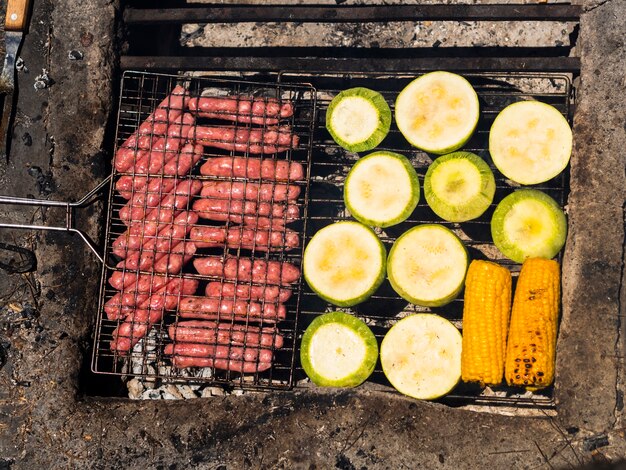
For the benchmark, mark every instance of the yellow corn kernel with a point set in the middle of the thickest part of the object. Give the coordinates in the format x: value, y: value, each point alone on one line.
x: 485, y: 322
x: 531, y: 345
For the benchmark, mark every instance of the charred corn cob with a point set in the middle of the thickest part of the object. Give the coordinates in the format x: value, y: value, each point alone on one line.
x: 531, y: 345
x: 486, y: 313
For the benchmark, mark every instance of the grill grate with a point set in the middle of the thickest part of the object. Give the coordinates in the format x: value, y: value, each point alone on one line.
x: 331, y: 163
x: 135, y: 340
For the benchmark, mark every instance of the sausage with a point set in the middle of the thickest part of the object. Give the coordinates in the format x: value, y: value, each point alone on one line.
x: 234, y: 353
x: 176, y: 258
x: 241, y: 167
x: 208, y: 308
x: 261, y: 215
x: 224, y: 364
x: 139, y: 233
x: 264, y: 111
x: 164, y: 259
x: 144, y: 201
x: 239, y: 236
x: 256, y: 141
x: 225, y: 333
x: 245, y: 269
x: 136, y: 291
x: 265, y: 192
x: 244, y: 291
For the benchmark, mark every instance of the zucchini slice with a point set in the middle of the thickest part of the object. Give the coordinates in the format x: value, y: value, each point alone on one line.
x: 358, y: 119
x: 427, y: 265
x: 459, y: 186
x: 381, y: 189
x: 530, y: 142
x: 437, y: 112
x: 421, y: 356
x: 344, y: 263
x: 528, y: 224
x: 338, y: 350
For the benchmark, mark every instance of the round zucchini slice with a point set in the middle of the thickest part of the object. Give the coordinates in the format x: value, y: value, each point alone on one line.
x: 459, y: 186
x: 530, y: 142
x: 344, y: 263
x: 528, y: 224
x: 437, y: 112
x: 338, y: 350
x: 358, y: 119
x: 427, y: 265
x: 421, y: 356
x: 382, y: 189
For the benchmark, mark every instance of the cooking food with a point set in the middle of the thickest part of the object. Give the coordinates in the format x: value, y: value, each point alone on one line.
x: 182, y: 361
x: 261, y: 215
x: 486, y: 313
x: 528, y: 223
x: 263, y: 111
x: 338, y: 350
x: 530, y: 353
x: 194, y: 331
x: 253, y: 168
x: 234, y: 353
x: 241, y: 139
x: 437, y: 112
x: 459, y: 186
x: 427, y: 265
x: 235, y: 237
x: 358, y: 119
x: 246, y: 269
x: 170, y: 260
x: 344, y: 263
x: 210, y: 308
x: 381, y: 189
x: 421, y: 356
x: 262, y: 192
x: 136, y: 291
x: 245, y: 291
x: 530, y: 142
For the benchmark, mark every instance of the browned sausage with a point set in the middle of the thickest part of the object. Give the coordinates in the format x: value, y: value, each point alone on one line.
x: 240, y: 139
x: 208, y: 308
x: 261, y: 215
x: 245, y: 269
x: 243, y: 237
x: 264, y: 111
x: 208, y: 332
x: 135, y: 289
x: 265, y: 192
x: 245, y: 291
x: 264, y: 168
x: 224, y: 364
x: 234, y: 353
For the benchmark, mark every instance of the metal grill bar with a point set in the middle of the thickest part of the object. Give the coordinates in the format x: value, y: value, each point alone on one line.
x: 352, y: 13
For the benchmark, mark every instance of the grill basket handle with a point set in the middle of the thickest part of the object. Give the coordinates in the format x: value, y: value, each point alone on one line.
x: 69, y: 215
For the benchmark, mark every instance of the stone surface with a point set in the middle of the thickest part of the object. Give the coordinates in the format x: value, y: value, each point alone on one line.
x: 45, y: 326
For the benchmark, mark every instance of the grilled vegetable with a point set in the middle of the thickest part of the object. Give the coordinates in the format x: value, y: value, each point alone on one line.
x: 421, y: 356
x: 528, y: 223
x: 382, y: 189
x: 338, y: 350
x: 344, y: 263
x: 459, y: 186
x: 530, y: 142
x: 437, y: 112
x: 486, y: 314
x: 427, y: 265
x: 530, y: 353
x: 358, y: 119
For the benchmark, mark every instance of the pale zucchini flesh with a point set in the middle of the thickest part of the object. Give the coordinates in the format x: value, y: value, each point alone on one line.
x: 382, y: 189
x: 437, y: 112
x: 344, y: 263
x: 530, y: 142
x: 421, y: 356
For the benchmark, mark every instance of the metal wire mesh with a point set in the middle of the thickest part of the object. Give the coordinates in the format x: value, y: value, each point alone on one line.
x: 204, y: 235
x: 331, y: 163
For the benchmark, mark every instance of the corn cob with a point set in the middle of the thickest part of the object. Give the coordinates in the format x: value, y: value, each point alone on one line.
x: 532, y: 335
x: 485, y: 322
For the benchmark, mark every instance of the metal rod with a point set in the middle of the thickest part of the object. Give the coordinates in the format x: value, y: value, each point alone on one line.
x: 352, y: 13
x: 326, y: 64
